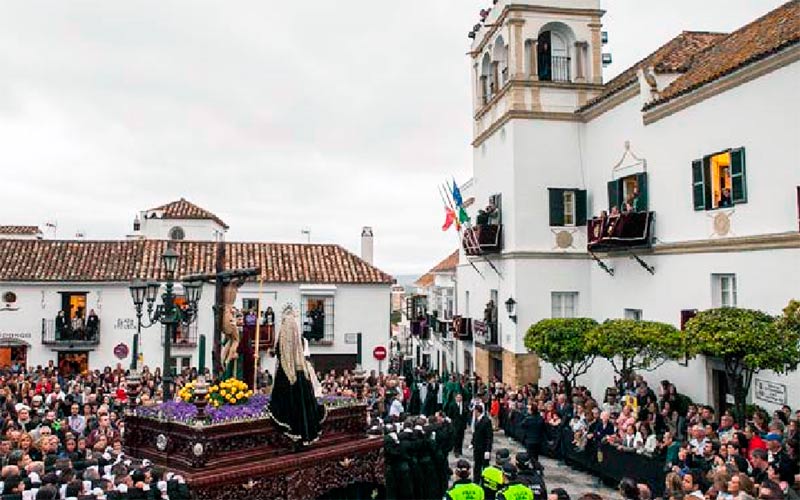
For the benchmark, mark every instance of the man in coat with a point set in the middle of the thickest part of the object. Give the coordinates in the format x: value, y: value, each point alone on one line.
x: 533, y: 428
x: 482, y: 439
x: 458, y: 411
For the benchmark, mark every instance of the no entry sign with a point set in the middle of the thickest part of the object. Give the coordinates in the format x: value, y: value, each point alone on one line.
x: 379, y: 353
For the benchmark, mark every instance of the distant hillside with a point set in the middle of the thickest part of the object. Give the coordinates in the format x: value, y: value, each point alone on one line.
x: 406, y: 280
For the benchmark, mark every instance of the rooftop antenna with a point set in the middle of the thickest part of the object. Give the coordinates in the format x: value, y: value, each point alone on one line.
x: 306, y: 231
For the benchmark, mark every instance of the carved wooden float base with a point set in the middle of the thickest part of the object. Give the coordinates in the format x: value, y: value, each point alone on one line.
x: 253, y: 460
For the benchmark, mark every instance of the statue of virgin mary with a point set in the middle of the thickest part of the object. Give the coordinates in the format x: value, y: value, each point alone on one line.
x: 293, y: 404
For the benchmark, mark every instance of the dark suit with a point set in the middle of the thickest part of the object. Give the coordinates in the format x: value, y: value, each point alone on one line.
x: 533, y: 428
x: 481, y: 443
x: 460, y: 421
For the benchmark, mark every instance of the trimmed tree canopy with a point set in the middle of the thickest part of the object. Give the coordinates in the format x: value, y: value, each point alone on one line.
x: 562, y: 343
x: 752, y: 337
x: 748, y: 341
x: 631, y: 345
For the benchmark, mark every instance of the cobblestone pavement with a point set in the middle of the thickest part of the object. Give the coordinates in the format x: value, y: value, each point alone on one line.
x: 556, y: 474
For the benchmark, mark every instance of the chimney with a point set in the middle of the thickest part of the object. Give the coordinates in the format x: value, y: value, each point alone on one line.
x: 366, y: 244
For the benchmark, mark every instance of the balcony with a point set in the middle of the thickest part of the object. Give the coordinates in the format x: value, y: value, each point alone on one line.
x: 67, y: 337
x: 183, y: 337
x: 621, y: 232
x: 560, y: 69
x: 462, y: 328
x: 483, y: 239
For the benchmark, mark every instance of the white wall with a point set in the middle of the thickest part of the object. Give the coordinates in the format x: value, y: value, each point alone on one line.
x: 525, y: 157
x: 357, y: 308
x: 193, y: 229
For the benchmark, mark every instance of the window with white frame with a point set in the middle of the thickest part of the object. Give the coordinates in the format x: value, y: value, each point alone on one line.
x: 635, y: 314
x: 723, y: 287
x: 316, y: 312
x: 564, y: 304
x: 569, y: 208
x: 180, y: 363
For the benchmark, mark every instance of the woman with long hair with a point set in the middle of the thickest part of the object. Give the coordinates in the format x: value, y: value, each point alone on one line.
x: 293, y: 404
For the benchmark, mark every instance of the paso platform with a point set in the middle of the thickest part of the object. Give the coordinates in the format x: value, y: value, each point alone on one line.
x: 254, y: 460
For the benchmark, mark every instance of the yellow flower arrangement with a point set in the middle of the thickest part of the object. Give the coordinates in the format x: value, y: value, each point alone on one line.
x: 231, y: 391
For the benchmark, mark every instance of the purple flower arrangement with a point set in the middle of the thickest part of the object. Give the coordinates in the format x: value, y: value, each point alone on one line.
x: 254, y: 409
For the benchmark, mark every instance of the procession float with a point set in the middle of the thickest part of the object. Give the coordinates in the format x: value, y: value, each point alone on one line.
x: 230, y: 442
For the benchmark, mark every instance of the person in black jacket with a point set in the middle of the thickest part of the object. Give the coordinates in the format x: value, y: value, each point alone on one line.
x: 482, y: 439
x: 458, y: 411
x: 533, y: 428
x: 531, y: 474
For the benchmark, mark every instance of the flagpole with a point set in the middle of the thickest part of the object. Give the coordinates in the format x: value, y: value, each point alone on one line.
x: 258, y: 333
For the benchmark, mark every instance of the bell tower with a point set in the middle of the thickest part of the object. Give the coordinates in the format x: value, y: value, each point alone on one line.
x: 535, y: 56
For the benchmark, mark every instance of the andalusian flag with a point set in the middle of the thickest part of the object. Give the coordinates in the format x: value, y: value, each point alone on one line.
x: 463, y: 217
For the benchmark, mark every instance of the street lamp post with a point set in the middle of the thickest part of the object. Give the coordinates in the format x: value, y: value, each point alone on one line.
x: 167, y: 313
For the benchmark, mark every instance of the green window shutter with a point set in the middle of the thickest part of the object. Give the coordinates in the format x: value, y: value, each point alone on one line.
x: 738, y: 176
x: 614, y: 192
x: 580, y: 207
x: 641, y: 203
x: 698, y: 185
x: 556, y: 206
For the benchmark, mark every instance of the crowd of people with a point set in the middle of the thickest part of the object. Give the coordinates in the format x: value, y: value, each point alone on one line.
x: 62, y: 438
x: 704, y: 454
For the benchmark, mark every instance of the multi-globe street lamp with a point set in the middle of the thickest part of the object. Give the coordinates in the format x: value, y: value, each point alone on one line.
x: 167, y: 313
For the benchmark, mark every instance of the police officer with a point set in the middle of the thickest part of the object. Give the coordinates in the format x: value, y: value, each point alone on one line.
x: 531, y: 474
x: 514, y: 490
x: 463, y: 488
x: 492, y: 476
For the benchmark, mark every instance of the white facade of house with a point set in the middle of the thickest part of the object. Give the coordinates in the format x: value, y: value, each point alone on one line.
x: 545, y: 144
x: 356, y: 295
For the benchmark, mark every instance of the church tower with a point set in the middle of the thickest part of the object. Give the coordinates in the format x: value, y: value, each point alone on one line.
x: 534, y: 63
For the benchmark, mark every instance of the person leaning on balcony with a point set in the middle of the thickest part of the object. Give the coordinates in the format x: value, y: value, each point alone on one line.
x: 78, y: 324
x: 92, y: 325
x: 62, y: 327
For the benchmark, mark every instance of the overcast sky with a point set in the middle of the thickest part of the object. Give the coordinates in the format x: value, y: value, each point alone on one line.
x: 327, y: 114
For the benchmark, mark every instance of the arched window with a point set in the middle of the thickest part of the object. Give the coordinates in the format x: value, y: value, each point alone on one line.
x: 553, y: 53
x: 176, y: 233
x: 486, y: 72
x: 499, y: 63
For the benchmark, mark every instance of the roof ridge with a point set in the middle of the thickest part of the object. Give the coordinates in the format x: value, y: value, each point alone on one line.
x: 719, y: 60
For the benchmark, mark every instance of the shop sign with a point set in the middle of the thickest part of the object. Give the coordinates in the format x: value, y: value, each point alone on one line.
x: 770, y: 392
x: 15, y: 335
x: 125, y: 324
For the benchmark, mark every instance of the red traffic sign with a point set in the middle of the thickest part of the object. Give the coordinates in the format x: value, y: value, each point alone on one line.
x: 121, y: 351
x: 379, y: 353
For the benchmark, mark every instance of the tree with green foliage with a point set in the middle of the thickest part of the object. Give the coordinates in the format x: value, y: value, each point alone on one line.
x: 632, y: 345
x: 747, y: 341
x: 562, y: 343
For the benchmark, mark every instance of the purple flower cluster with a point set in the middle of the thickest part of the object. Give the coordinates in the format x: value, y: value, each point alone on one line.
x: 255, y: 408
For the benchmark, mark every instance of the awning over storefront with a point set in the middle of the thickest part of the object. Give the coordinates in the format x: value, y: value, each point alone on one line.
x: 12, y: 342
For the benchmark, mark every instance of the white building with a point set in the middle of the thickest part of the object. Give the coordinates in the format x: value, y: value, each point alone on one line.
x: 438, y: 286
x: 39, y: 278
x: 554, y: 145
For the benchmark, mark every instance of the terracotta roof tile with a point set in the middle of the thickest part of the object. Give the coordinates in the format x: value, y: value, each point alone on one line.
x: 448, y: 264
x: 20, y: 230
x: 183, y: 209
x: 766, y: 35
x: 59, y: 260
x: 675, y: 56
x: 425, y: 280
